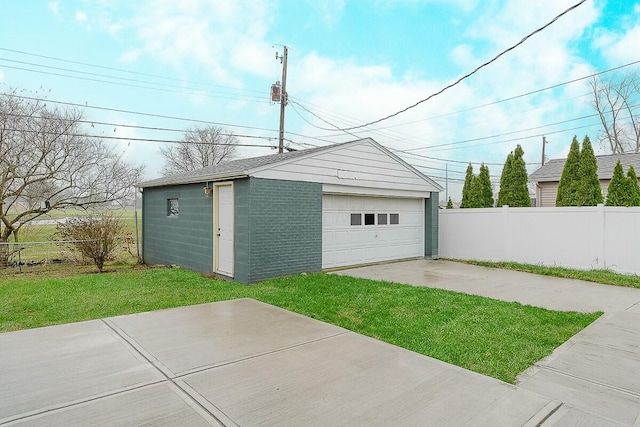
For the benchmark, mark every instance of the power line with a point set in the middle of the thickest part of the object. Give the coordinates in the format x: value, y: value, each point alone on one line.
x: 120, y: 70
x: 509, y: 133
x: 320, y: 118
x: 123, y: 138
x: 299, y: 102
x: 138, y: 113
x: 449, y: 86
x: 511, y: 98
x: 90, y: 79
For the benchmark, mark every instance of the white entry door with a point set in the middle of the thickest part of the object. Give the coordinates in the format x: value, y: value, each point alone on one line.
x: 360, y: 229
x: 223, y: 229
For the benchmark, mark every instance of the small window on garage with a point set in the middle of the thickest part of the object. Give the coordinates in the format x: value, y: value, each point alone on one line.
x: 369, y: 219
x: 356, y: 219
x: 173, y: 208
x: 394, y: 218
x: 382, y: 219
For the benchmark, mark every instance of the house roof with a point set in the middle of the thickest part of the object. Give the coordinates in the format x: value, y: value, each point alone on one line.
x: 552, y: 170
x: 244, y: 167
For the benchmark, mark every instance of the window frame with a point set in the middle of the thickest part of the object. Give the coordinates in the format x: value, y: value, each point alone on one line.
x: 173, y: 207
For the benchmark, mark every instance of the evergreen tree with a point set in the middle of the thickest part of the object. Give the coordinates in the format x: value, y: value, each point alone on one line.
x: 484, y: 183
x: 505, y: 181
x: 466, y: 189
x: 633, y: 186
x: 618, y: 190
x: 475, y: 195
x: 519, y: 191
x: 449, y: 204
x: 588, y: 192
x: 569, y: 182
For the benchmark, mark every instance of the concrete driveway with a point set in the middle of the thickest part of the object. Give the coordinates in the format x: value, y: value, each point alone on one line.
x: 236, y: 363
x: 532, y: 289
x: 596, y: 372
x: 247, y: 363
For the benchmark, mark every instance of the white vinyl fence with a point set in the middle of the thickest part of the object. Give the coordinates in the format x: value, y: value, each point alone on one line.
x: 584, y: 238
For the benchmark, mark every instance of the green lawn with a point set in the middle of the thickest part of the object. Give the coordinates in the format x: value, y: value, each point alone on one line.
x: 606, y: 277
x: 491, y: 337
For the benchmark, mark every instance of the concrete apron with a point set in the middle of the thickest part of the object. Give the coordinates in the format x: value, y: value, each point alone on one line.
x: 241, y: 362
x: 596, y: 374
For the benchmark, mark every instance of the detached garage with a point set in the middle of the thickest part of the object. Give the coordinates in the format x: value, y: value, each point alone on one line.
x: 251, y: 219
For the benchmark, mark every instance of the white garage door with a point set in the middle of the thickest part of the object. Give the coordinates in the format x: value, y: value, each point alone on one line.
x: 360, y: 230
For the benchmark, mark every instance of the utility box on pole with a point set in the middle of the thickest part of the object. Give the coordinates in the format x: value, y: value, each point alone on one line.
x: 276, y: 92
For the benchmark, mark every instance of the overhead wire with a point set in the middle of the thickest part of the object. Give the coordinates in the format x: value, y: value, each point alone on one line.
x: 139, y: 113
x: 464, y: 77
x: 124, y: 138
x: 264, y: 99
x: 120, y: 70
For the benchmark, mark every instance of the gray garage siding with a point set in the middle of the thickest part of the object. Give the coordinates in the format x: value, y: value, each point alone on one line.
x: 185, y: 240
x: 431, y: 226
x: 278, y: 228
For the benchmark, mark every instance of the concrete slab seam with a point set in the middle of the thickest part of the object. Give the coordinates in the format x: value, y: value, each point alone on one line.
x: 254, y: 356
x: 141, y: 351
x: 203, y: 403
x: 210, y: 413
x: 591, y: 381
x: 637, y: 303
x: 544, y: 414
x: 166, y: 372
x: 57, y: 408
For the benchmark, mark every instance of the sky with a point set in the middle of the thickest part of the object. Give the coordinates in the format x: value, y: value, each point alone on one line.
x: 171, y: 65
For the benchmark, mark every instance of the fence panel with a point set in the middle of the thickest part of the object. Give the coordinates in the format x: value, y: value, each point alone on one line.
x: 583, y: 238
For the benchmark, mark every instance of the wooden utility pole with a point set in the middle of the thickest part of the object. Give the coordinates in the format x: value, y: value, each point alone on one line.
x: 283, y: 98
x: 544, y: 143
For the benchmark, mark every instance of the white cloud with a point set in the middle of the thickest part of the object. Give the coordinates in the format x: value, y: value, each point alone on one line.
x: 130, y: 56
x: 329, y: 11
x: 54, y: 7
x: 199, y: 34
x: 463, y: 55
x: 622, y: 48
x: 80, y: 17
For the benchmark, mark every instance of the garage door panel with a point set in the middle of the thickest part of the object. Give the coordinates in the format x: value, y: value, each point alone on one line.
x: 344, y: 244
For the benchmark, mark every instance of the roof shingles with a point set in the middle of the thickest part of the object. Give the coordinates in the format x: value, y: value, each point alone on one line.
x: 233, y: 168
x: 552, y: 170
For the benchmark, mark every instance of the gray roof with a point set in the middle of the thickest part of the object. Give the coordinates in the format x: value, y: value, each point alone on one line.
x: 243, y: 167
x: 231, y: 169
x: 552, y: 170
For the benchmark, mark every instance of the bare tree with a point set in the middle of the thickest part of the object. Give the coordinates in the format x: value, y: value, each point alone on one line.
x: 200, y: 147
x: 48, y: 163
x: 616, y: 103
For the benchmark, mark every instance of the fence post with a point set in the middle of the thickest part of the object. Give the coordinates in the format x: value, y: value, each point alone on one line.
x: 602, y: 220
x: 506, y: 242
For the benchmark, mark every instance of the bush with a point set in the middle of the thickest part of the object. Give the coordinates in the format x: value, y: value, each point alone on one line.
x: 94, y: 237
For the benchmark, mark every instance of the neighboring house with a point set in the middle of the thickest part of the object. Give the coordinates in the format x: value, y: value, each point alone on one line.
x: 251, y: 219
x: 547, y: 178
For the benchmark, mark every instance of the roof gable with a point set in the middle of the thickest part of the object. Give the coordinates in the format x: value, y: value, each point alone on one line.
x: 552, y: 170
x: 266, y: 166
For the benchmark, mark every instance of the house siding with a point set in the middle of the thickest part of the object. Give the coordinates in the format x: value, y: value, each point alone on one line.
x: 547, y: 192
x: 278, y: 228
x: 362, y: 164
x: 431, y: 226
x: 186, y: 239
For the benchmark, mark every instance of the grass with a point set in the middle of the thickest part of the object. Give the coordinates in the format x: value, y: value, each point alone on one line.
x: 491, y: 337
x: 606, y: 277
x: 33, y: 236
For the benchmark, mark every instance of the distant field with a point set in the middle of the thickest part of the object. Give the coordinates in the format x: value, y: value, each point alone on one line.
x: 37, y: 240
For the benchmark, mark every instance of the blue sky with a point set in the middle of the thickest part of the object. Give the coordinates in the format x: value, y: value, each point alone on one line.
x: 349, y: 62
